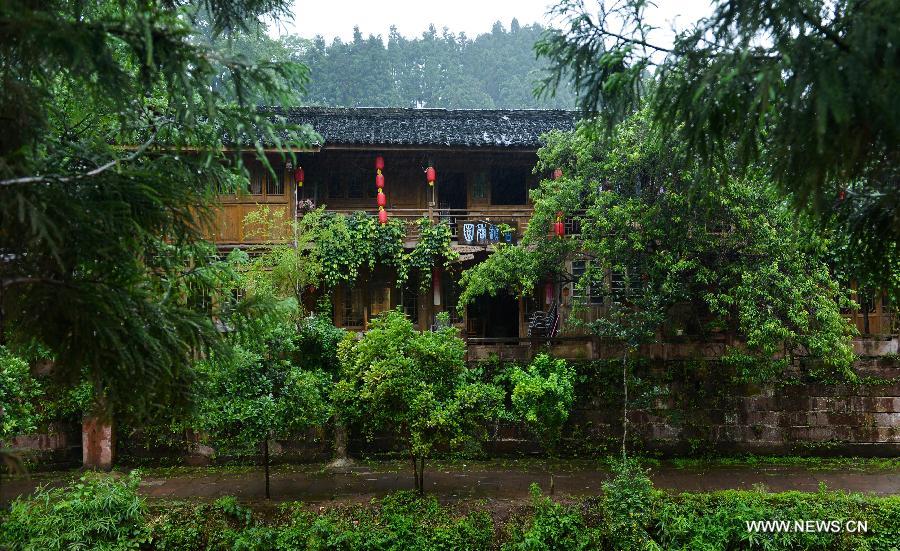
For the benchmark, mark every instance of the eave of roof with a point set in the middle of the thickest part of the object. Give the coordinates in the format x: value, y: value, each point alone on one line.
x: 429, y: 128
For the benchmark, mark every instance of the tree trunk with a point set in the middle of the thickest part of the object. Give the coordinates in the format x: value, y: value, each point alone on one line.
x: 416, y: 473
x: 422, y: 476
x: 624, y: 404
x: 266, y: 464
x: 341, y: 437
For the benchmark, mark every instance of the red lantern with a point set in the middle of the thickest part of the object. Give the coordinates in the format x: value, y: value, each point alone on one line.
x: 379, y: 183
x: 842, y: 195
x: 557, y: 173
x: 430, y: 175
x: 299, y: 176
x: 560, y: 227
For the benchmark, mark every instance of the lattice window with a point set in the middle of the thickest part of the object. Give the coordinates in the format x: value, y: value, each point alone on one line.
x: 584, y: 293
x: 352, y: 315
x: 409, y: 301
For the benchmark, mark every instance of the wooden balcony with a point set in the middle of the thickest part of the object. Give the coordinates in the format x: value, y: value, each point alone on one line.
x: 515, y: 217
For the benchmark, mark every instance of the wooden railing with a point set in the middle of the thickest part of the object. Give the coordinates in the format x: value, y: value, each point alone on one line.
x: 517, y: 217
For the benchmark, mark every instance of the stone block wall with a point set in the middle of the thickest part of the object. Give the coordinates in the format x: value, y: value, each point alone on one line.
x: 703, y: 412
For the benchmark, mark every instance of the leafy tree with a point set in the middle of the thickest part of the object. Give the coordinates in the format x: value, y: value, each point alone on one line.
x: 18, y: 389
x: 439, y: 68
x: 804, y: 90
x: 110, y: 159
x: 417, y: 385
x: 257, y: 389
x: 542, y: 396
x: 667, y: 254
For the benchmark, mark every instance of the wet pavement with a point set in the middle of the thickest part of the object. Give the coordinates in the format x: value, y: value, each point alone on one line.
x: 365, y: 482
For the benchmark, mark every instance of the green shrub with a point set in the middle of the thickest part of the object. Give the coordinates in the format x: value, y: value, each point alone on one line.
x: 553, y: 526
x: 718, y: 520
x: 99, y: 512
x: 18, y: 389
x: 628, y: 507
x: 542, y: 396
x: 103, y: 512
x: 399, y: 521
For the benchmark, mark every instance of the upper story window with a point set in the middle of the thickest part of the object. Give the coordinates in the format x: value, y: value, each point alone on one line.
x: 352, y: 183
x: 508, y: 186
x: 592, y: 294
x: 262, y: 180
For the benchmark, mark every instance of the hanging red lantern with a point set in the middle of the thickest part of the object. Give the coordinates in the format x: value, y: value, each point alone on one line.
x: 379, y: 183
x: 430, y: 175
x: 557, y: 173
x: 842, y: 195
x: 560, y: 227
x: 299, y: 176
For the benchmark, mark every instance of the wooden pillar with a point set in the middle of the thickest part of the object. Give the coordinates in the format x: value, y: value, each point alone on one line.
x: 98, y: 444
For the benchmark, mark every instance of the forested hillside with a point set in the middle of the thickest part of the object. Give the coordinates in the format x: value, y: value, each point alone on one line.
x: 437, y: 69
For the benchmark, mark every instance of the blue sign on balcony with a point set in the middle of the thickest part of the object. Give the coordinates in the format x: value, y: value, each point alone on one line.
x: 485, y: 233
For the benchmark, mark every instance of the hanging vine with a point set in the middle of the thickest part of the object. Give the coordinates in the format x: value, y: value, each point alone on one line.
x: 344, y: 245
x: 433, y: 248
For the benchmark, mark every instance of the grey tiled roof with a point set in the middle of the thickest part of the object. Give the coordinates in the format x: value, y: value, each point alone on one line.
x: 512, y: 128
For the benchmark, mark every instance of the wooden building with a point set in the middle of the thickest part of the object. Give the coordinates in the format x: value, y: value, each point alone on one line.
x: 484, y: 161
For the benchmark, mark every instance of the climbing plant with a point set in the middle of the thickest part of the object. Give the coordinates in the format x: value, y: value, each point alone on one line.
x: 432, y: 249
x: 338, y: 247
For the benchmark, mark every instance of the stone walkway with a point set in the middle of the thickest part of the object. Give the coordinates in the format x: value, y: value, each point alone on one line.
x: 484, y: 483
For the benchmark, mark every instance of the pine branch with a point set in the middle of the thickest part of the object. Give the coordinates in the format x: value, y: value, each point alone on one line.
x: 91, y: 173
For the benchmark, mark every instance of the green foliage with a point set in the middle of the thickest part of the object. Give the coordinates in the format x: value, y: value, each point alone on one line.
x: 688, y: 257
x: 433, y: 249
x: 415, y: 384
x: 718, y: 520
x: 104, y: 512
x: 278, y: 270
x: 341, y: 246
x: 629, y: 507
x: 542, y: 396
x: 256, y: 389
x: 112, y: 154
x: 398, y: 521
x: 18, y: 390
x: 814, y: 103
x: 510, y: 268
x: 553, y: 526
x: 97, y: 512
x: 439, y: 69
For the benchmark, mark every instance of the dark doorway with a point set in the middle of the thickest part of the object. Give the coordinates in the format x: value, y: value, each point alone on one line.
x: 494, y: 317
x: 508, y: 186
x: 452, y: 191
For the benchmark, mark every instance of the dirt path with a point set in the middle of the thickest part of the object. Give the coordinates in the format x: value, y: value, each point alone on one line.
x: 484, y: 483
